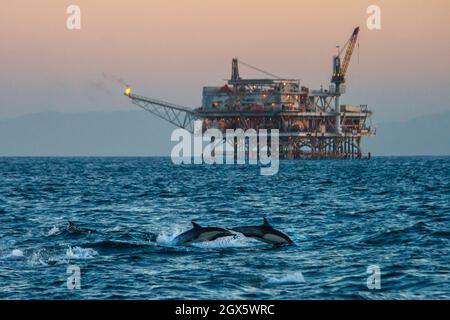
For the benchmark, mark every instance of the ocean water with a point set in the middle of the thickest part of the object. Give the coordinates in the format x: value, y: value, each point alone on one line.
x: 344, y: 216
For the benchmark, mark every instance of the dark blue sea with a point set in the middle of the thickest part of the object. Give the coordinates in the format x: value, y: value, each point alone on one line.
x: 344, y: 216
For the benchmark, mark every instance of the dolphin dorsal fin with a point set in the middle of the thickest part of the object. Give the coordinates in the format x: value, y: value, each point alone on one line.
x: 195, y: 225
x: 266, y: 223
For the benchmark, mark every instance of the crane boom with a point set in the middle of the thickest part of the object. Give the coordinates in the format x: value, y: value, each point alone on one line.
x: 340, y: 70
x: 349, y: 52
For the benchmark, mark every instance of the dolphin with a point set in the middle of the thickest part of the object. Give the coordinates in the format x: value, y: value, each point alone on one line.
x: 73, y: 228
x: 199, y: 234
x: 264, y: 233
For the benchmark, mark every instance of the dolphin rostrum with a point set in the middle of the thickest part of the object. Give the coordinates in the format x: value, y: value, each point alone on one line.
x: 199, y: 234
x: 264, y: 233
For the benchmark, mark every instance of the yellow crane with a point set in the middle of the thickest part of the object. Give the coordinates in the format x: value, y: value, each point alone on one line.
x: 340, y: 69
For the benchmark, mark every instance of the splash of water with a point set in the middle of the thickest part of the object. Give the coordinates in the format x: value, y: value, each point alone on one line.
x: 80, y: 253
x: 54, y: 230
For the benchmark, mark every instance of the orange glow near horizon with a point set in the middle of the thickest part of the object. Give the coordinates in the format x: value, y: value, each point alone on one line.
x: 172, y: 48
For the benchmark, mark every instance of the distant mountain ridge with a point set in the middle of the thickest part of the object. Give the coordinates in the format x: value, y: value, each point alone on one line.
x: 425, y: 135
x: 138, y: 133
x: 120, y: 133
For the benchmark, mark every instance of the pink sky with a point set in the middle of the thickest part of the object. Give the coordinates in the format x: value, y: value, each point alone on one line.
x: 170, y: 49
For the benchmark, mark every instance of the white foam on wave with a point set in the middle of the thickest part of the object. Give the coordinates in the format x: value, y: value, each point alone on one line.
x: 54, y: 230
x: 14, y: 254
x: 238, y: 240
x: 17, y: 253
x: 235, y: 241
x: 292, y: 277
x: 37, y: 258
x: 80, y: 253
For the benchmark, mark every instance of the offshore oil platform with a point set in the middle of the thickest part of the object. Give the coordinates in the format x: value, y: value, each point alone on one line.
x: 312, y: 124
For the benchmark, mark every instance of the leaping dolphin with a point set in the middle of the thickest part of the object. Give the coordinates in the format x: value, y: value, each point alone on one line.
x: 264, y: 233
x: 199, y: 234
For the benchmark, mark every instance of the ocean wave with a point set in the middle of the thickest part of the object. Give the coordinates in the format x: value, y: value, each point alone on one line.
x: 49, y: 256
x: 80, y: 253
x: 14, y: 254
x: 167, y: 238
x: 293, y: 277
x: 442, y: 234
x: 379, y: 226
x: 54, y: 230
x: 17, y: 253
x: 39, y: 257
x: 114, y: 244
x: 5, y: 244
x: 235, y: 241
x: 404, y: 235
